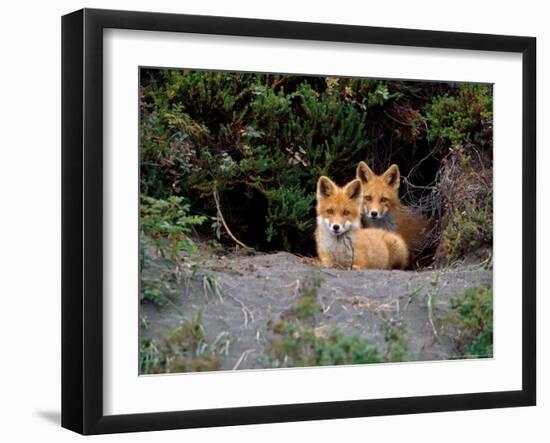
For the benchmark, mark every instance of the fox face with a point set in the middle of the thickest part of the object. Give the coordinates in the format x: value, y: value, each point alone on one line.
x: 380, y: 192
x: 339, y: 209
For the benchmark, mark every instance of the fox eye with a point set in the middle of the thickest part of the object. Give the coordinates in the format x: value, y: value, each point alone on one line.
x: 330, y: 211
x: 383, y: 200
x: 368, y: 198
x: 346, y: 212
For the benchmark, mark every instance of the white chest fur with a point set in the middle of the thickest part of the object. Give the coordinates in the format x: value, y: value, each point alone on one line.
x: 338, y: 247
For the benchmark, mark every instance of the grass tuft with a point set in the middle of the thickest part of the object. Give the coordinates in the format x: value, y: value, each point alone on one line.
x: 185, y: 349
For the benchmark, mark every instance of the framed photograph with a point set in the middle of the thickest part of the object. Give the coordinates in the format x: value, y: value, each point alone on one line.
x: 269, y: 221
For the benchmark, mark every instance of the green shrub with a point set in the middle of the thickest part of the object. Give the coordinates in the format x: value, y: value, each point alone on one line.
x: 167, y: 224
x: 464, y: 118
x: 262, y: 140
x: 467, y: 230
x: 473, y: 316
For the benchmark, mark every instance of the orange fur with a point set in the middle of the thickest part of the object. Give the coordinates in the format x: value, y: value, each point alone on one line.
x: 350, y: 245
x: 381, y: 197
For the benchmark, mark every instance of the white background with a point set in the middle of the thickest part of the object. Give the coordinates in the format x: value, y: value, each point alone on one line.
x: 30, y: 219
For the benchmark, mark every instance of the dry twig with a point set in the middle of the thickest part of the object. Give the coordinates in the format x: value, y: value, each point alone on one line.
x: 243, y: 357
x: 218, y: 207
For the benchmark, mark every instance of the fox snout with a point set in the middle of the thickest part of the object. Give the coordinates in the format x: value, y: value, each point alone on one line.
x: 374, y: 213
x: 339, y: 228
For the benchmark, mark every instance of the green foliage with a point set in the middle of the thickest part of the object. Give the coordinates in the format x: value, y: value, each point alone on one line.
x: 262, y: 140
x: 342, y: 349
x: 299, y: 339
x: 473, y: 316
x: 255, y: 136
x: 396, y: 336
x: 306, y: 307
x: 160, y: 291
x: 285, y: 212
x: 168, y: 223
x: 299, y: 345
x: 151, y: 359
x: 464, y: 118
x: 467, y: 230
x: 151, y: 294
x: 185, y: 349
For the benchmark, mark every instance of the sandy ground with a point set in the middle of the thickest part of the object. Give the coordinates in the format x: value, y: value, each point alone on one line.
x: 262, y: 287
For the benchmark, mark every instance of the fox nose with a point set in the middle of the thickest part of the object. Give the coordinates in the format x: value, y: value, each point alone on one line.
x: 336, y: 228
x: 373, y: 214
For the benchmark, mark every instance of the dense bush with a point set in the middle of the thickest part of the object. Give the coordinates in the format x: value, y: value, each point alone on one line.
x: 261, y: 141
x: 463, y: 119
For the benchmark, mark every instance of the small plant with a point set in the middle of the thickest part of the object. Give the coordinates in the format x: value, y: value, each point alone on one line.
x: 467, y: 230
x: 210, y: 284
x: 395, y: 335
x: 151, y: 294
x: 168, y: 223
x: 298, y: 341
x: 185, y: 349
x: 151, y: 359
x: 161, y: 291
x: 306, y: 307
x: 301, y: 345
x: 473, y: 316
x: 343, y: 349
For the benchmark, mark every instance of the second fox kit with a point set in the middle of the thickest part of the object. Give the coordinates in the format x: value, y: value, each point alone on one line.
x: 340, y: 239
x: 382, y: 207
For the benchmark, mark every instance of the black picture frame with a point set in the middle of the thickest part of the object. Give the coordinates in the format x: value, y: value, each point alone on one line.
x: 82, y: 218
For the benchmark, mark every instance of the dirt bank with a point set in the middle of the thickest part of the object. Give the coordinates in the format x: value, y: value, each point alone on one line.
x: 254, y: 290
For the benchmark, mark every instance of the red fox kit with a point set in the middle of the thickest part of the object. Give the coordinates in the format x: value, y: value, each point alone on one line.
x: 382, y: 207
x: 340, y: 239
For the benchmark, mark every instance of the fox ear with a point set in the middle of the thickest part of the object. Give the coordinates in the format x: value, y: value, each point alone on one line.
x: 325, y: 187
x: 392, y: 176
x: 364, y: 173
x: 354, y: 189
